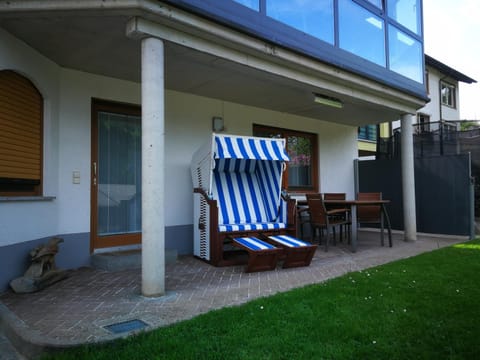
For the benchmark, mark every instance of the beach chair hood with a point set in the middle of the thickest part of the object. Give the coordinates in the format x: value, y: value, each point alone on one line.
x: 226, y: 152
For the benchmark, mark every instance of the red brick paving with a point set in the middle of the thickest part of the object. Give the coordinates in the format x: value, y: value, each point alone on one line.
x: 76, y: 309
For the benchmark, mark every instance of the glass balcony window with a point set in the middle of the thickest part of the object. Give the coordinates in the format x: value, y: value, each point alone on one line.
x: 379, y: 39
x: 377, y: 3
x: 406, y: 13
x: 361, y: 32
x: 313, y: 17
x: 405, y: 55
x: 252, y: 4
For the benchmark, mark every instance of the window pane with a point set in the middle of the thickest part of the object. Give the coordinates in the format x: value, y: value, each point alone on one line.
x: 368, y: 132
x: 252, y: 4
x: 314, y: 17
x: 405, y: 55
x: 377, y: 3
x: 423, y: 123
x: 119, y: 174
x: 301, y: 173
x: 361, y: 32
x: 300, y: 164
x: 448, y: 95
x: 406, y: 12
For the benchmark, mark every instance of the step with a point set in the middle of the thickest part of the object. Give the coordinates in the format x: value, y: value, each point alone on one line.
x: 7, y: 351
x: 124, y: 260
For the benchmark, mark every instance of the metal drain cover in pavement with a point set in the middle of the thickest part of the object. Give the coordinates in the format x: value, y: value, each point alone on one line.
x: 126, y: 326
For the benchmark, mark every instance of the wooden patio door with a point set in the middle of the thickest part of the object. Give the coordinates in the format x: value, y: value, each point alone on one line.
x: 116, y: 175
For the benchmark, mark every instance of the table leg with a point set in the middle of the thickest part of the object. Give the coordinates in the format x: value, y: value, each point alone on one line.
x: 385, y: 214
x: 354, y: 227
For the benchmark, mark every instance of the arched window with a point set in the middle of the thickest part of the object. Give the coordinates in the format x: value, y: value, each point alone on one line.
x: 21, y: 135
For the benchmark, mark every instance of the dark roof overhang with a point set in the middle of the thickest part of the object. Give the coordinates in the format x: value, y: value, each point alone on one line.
x: 447, y: 70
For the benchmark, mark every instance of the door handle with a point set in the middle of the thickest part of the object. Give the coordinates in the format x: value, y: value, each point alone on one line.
x: 94, y: 173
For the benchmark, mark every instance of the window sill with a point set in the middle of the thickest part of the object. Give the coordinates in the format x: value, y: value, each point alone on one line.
x: 454, y: 107
x: 26, y: 198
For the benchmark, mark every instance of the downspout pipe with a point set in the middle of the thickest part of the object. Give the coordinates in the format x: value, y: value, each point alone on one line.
x: 440, y: 111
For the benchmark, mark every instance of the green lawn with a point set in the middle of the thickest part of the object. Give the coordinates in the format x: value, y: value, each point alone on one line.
x: 425, y: 307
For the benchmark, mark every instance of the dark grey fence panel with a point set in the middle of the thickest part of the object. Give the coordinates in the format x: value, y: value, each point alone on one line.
x: 442, y: 188
x: 384, y: 176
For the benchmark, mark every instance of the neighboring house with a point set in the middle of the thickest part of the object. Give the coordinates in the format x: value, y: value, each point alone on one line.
x: 443, y: 108
x: 443, y: 90
x: 103, y: 103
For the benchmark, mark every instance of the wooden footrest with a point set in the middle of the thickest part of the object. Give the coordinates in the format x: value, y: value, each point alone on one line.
x: 296, y: 252
x: 262, y: 256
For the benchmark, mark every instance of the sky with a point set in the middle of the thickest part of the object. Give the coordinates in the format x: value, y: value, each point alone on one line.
x: 452, y: 36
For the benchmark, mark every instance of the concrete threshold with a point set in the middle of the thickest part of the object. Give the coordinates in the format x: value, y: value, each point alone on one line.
x: 125, y: 260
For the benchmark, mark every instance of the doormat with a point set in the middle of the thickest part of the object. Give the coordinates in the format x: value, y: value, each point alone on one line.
x: 126, y: 326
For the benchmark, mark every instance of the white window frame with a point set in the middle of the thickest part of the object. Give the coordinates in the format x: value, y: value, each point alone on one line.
x: 423, y: 123
x: 448, y: 94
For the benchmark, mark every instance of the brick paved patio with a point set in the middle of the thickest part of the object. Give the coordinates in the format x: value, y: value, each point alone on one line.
x: 75, y: 310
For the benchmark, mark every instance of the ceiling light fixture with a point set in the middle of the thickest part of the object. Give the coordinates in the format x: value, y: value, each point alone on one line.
x: 327, y: 100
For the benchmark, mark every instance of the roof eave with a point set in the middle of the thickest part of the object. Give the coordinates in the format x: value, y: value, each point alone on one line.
x: 447, y: 70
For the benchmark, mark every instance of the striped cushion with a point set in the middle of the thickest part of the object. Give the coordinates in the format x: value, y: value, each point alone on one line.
x: 289, y: 241
x: 239, y: 198
x: 247, y: 191
x: 252, y: 226
x: 269, y: 174
x: 254, y: 244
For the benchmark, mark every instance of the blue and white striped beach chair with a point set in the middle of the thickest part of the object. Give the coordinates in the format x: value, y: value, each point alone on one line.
x: 237, y: 194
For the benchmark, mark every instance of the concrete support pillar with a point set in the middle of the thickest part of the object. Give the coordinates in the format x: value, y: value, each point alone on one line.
x: 153, y: 168
x: 408, y: 179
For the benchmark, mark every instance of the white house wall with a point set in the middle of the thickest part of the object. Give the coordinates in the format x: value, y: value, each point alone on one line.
x: 189, y: 126
x: 22, y: 221
x: 433, y: 107
x: 448, y: 113
x: 67, y: 147
x: 77, y: 91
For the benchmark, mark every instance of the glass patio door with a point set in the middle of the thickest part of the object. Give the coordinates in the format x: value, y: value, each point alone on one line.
x: 116, y: 176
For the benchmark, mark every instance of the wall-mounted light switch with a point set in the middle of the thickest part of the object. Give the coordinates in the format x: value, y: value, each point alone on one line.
x: 76, y: 177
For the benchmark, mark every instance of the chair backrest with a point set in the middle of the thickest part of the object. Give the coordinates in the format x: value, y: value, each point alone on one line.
x: 314, y: 196
x: 316, y: 209
x: 334, y: 196
x: 369, y: 213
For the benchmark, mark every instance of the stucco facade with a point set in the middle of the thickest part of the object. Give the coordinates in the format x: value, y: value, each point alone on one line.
x: 74, y: 52
x: 65, y: 208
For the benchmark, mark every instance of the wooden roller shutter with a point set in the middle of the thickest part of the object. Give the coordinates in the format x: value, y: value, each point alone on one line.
x: 21, y: 134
